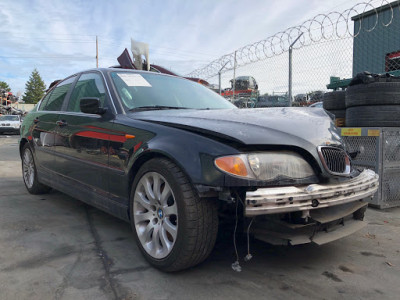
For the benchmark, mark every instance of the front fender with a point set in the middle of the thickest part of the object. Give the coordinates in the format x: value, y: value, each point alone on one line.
x: 194, y: 154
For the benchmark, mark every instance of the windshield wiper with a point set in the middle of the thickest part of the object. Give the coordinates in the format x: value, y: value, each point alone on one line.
x: 157, y: 107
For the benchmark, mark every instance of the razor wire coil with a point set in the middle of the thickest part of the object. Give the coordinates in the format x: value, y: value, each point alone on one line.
x: 331, y: 26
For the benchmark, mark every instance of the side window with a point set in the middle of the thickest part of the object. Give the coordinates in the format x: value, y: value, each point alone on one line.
x: 43, y: 103
x: 88, y: 85
x: 55, y: 101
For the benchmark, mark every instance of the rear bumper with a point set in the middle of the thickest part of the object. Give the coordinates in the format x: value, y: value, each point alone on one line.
x: 289, y: 199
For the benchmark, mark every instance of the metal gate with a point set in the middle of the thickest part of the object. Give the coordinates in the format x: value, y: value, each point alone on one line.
x: 378, y: 149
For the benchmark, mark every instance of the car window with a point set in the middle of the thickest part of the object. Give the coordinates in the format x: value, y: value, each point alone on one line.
x: 57, y: 96
x: 88, y: 85
x: 9, y: 118
x: 42, y: 104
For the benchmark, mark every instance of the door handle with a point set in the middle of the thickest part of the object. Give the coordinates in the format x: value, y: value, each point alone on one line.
x: 61, y: 123
x: 36, y: 120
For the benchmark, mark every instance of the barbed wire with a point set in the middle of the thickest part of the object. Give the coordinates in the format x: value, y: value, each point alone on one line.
x: 331, y: 26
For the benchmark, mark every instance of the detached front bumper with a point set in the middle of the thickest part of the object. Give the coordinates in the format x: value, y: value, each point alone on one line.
x: 289, y: 199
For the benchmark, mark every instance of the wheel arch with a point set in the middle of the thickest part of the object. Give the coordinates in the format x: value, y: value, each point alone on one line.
x: 22, y: 143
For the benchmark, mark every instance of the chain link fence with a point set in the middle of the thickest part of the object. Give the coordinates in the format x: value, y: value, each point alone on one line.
x: 322, y: 50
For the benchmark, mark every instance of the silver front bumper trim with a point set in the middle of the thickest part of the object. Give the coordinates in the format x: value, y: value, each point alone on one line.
x: 288, y: 199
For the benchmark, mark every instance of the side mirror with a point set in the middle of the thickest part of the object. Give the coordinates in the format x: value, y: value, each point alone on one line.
x: 91, y: 106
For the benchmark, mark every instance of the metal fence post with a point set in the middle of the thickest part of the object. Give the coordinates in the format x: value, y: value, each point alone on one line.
x: 234, y: 79
x: 290, y: 69
x: 219, y: 77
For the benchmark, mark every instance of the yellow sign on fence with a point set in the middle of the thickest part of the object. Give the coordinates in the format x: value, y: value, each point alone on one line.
x: 351, y: 131
x: 373, y: 132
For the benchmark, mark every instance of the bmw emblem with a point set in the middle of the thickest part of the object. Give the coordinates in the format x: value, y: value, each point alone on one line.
x: 160, y: 214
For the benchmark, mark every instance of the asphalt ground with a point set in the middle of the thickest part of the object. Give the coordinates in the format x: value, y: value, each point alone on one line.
x: 55, y: 247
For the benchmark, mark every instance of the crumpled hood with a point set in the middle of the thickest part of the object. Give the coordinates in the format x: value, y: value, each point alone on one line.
x: 293, y: 126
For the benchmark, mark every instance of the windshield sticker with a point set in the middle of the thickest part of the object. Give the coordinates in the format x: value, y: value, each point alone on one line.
x: 134, y: 80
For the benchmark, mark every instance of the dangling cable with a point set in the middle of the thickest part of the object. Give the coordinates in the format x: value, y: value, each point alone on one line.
x: 236, y: 266
x: 248, y: 256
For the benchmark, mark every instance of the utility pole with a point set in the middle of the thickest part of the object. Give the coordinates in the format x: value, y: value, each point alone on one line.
x: 97, y: 52
x: 290, y: 69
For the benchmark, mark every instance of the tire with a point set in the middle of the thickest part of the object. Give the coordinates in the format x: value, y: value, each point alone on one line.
x: 338, y: 113
x: 373, y: 116
x: 173, y: 248
x: 376, y: 93
x: 334, y: 100
x: 29, y: 173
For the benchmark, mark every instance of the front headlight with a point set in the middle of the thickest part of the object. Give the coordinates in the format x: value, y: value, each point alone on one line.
x: 16, y: 125
x: 266, y: 165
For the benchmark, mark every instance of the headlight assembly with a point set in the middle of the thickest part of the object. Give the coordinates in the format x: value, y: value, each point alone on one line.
x: 265, y: 165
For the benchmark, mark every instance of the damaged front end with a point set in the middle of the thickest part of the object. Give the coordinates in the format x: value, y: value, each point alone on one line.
x: 318, y: 213
x: 302, y: 212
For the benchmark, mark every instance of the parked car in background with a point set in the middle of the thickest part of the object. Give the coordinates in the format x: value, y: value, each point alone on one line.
x: 172, y: 157
x: 301, y: 100
x: 10, y: 124
x: 273, y: 101
x: 242, y: 86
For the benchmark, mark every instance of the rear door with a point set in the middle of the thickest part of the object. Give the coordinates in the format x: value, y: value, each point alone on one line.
x: 45, y: 126
x: 84, y: 138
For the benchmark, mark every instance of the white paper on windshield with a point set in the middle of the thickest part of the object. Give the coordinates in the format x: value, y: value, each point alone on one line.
x: 134, y: 80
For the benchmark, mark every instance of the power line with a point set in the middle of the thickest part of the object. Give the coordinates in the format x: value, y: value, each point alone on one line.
x: 49, y: 57
x: 34, y: 33
x: 49, y: 40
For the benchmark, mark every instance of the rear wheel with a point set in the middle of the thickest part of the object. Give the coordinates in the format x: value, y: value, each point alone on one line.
x: 174, y: 228
x: 29, y: 173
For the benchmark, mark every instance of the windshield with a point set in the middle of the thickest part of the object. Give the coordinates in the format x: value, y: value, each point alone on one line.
x: 9, y: 118
x: 147, y: 90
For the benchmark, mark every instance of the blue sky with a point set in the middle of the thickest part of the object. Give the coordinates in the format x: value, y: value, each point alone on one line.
x: 58, y: 37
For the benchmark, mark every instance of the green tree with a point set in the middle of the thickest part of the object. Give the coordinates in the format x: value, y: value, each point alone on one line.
x: 4, y: 85
x: 34, y: 88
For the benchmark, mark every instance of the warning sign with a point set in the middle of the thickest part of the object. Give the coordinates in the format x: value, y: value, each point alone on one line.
x: 373, y: 132
x: 351, y: 131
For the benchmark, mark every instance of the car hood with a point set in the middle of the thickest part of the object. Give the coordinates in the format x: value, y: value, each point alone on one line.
x: 291, y: 126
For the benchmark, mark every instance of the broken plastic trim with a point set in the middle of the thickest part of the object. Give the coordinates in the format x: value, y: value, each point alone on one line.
x: 288, y: 199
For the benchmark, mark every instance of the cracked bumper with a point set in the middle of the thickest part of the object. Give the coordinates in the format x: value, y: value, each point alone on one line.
x: 289, y: 199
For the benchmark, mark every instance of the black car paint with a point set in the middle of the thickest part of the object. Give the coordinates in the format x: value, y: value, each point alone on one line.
x: 120, y: 142
x: 290, y: 128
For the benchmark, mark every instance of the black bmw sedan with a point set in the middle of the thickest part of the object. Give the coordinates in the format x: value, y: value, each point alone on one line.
x: 168, y: 155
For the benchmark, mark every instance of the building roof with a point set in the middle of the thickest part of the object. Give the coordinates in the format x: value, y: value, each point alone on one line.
x: 376, y: 10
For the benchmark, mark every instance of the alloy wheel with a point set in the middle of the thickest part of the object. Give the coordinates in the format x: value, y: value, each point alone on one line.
x: 155, y: 215
x: 28, y: 168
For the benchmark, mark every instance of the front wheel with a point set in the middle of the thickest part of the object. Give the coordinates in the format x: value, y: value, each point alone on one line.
x: 174, y: 228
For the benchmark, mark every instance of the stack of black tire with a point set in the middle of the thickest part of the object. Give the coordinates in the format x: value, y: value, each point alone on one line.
x: 373, y: 101
x: 334, y: 102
